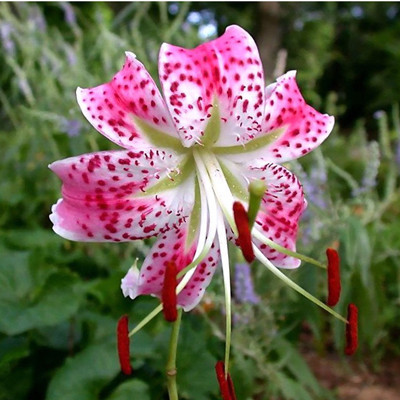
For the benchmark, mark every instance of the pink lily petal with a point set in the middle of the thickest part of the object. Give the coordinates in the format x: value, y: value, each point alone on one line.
x: 280, y: 211
x: 195, y: 288
x: 110, y: 107
x: 305, y: 128
x: 104, y: 196
x: 171, y: 246
x: 228, y: 69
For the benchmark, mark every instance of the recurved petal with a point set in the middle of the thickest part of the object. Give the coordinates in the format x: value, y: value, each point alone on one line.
x: 304, y: 128
x: 280, y: 211
x: 119, y: 108
x: 107, y: 196
x: 228, y: 70
x: 171, y: 246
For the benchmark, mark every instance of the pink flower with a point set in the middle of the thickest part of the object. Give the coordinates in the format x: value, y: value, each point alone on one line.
x: 187, y: 157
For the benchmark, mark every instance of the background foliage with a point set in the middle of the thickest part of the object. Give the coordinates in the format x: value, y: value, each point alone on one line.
x: 59, y: 300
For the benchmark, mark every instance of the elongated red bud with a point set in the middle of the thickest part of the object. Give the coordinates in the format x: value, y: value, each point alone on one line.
x: 351, y: 330
x: 168, y: 294
x: 225, y: 382
x: 242, y: 224
x: 333, y: 270
x: 123, y: 345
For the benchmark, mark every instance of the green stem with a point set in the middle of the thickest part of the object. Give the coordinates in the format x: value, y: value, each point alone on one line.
x: 171, y: 364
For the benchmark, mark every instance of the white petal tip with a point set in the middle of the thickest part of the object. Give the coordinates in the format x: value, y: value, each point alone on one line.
x: 130, y: 283
x: 288, y: 74
x: 130, y: 55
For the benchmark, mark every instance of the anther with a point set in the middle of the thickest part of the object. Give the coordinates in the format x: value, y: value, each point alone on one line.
x: 123, y: 345
x: 351, y: 330
x: 168, y: 294
x: 225, y: 382
x: 333, y: 271
x: 244, y: 235
x: 231, y: 388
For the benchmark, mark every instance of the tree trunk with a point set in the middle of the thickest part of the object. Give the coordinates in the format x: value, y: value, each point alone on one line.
x: 269, y: 39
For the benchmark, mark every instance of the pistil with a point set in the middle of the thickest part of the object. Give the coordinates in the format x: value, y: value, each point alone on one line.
x: 243, y: 227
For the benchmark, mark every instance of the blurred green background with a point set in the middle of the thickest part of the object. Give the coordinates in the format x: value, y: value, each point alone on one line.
x: 60, y: 301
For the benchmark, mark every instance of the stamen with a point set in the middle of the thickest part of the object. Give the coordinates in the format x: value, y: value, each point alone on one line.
x: 168, y: 294
x: 351, y: 330
x: 333, y: 271
x: 123, y: 345
x: 242, y: 224
x: 257, y: 189
x: 278, y: 273
x: 263, y: 239
x: 225, y: 382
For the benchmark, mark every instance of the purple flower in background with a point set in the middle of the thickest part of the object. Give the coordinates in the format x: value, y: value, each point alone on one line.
x: 314, y: 184
x: 69, y: 14
x: 371, y: 170
x: 244, y: 288
x: 6, y: 30
x: 72, y: 127
x: 71, y: 56
x: 37, y: 18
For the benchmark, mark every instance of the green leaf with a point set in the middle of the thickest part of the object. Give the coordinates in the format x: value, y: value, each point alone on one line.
x: 83, y: 376
x: 357, y: 249
x: 33, y: 296
x: 195, y: 364
x: 291, y: 389
x: 11, y: 350
x: 132, y: 389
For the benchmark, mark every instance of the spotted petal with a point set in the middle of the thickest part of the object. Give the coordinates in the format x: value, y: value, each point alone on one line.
x: 172, y: 246
x: 225, y: 72
x: 280, y: 211
x: 129, y: 110
x: 304, y: 128
x: 109, y: 196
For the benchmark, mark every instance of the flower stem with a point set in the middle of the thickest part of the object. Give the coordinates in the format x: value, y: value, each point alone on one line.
x: 171, y: 364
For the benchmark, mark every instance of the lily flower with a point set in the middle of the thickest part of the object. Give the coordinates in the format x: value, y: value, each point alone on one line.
x: 188, y: 155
